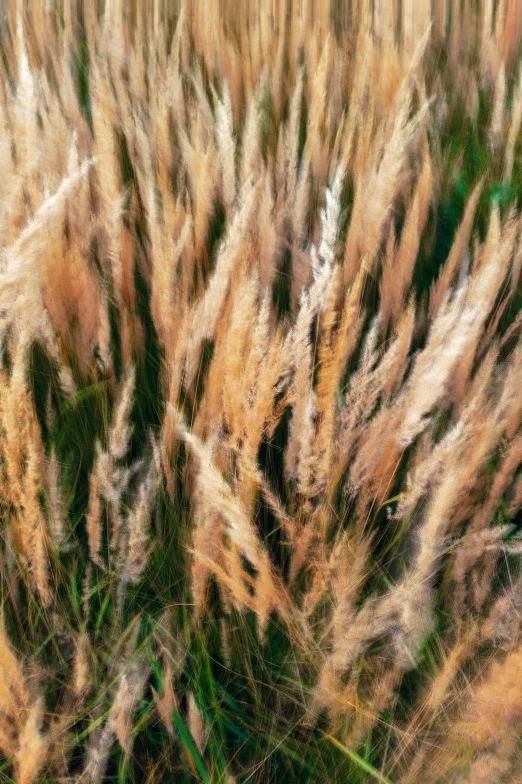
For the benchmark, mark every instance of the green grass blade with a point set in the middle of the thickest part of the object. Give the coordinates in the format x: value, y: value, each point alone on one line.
x: 190, y: 746
x: 362, y: 763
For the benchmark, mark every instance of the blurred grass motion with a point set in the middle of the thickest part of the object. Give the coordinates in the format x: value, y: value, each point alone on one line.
x: 261, y: 392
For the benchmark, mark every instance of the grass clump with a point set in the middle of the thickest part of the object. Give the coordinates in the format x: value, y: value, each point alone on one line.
x: 260, y: 394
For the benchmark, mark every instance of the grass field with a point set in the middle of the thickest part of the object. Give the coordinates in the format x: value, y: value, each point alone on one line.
x: 261, y: 392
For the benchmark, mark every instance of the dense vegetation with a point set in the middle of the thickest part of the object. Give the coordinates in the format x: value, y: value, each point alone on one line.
x: 261, y: 393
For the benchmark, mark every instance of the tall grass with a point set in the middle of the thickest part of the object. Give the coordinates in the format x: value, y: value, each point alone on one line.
x: 261, y: 392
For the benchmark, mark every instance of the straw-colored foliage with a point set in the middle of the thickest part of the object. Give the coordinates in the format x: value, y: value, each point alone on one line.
x: 260, y: 392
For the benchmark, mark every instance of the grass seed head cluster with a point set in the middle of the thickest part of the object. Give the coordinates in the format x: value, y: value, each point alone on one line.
x: 260, y: 392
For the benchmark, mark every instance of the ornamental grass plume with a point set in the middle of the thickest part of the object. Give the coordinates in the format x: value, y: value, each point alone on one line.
x: 260, y: 391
